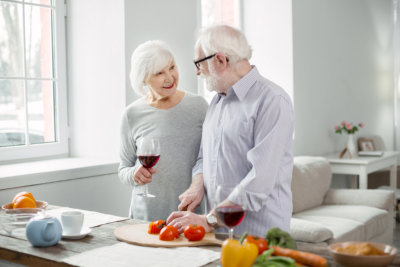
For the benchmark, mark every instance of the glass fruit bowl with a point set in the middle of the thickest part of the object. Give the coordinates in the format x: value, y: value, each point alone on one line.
x: 14, y: 221
x: 40, y: 204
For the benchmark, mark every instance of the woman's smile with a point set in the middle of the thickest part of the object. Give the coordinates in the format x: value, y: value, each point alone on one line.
x: 169, y: 87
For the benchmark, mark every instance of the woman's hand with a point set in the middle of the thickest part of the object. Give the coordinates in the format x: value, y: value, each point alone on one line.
x: 181, y: 219
x: 143, y: 176
x: 193, y: 196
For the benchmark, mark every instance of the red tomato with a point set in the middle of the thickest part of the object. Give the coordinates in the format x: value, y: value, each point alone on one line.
x: 260, y: 242
x: 194, y: 232
x: 156, y: 226
x: 169, y: 233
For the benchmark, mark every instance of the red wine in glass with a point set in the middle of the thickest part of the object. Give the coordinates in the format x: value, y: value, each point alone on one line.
x: 231, y: 216
x: 148, y: 161
x: 148, y: 154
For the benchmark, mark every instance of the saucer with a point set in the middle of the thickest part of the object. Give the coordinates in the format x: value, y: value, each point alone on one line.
x: 82, y: 234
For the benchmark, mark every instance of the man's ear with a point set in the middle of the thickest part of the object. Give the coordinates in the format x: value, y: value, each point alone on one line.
x: 221, y: 61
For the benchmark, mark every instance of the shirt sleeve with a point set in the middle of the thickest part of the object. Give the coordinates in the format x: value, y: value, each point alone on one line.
x: 198, y: 167
x: 127, y: 167
x: 273, y: 132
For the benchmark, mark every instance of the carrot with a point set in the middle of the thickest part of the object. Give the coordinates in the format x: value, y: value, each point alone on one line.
x: 306, y: 258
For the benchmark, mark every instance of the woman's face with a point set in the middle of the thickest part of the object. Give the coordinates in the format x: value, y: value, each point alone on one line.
x: 165, y: 82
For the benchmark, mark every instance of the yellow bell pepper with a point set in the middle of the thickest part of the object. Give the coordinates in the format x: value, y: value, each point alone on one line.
x: 234, y: 254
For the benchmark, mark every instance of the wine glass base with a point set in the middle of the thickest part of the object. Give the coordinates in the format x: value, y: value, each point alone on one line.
x: 145, y: 195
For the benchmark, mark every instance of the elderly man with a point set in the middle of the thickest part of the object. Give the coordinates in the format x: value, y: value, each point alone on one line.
x: 246, y: 139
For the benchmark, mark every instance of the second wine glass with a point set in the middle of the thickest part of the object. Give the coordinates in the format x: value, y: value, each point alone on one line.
x: 149, y: 154
x: 230, y: 214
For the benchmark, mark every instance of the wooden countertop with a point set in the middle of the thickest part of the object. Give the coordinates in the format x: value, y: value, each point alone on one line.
x: 22, y: 252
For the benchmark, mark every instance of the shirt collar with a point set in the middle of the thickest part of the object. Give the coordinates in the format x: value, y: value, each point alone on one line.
x: 242, y: 86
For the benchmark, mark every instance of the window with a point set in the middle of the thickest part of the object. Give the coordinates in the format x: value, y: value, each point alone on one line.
x: 218, y: 12
x: 33, y: 120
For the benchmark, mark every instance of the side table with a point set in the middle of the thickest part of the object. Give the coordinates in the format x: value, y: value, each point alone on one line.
x: 362, y: 166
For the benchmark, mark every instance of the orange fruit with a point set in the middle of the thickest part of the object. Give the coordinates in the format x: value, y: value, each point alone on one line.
x: 26, y: 194
x: 24, y: 202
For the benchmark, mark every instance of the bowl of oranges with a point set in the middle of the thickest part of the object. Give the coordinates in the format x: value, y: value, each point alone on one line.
x: 14, y: 216
x: 25, y: 200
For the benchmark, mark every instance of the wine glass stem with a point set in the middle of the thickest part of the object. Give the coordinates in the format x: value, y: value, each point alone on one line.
x: 231, y: 233
x: 145, y: 191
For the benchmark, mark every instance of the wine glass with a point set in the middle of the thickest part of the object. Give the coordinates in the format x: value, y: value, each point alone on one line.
x: 230, y: 214
x: 149, y: 154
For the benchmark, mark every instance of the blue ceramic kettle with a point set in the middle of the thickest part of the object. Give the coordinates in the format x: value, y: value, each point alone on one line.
x: 44, y: 231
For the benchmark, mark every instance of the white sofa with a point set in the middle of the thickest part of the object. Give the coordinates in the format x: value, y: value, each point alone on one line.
x: 321, y: 214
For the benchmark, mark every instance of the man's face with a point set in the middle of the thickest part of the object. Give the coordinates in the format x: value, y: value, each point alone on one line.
x: 207, y: 71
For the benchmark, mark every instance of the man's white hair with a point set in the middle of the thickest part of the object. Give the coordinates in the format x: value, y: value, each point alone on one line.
x: 147, y: 59
x: 224, y: 39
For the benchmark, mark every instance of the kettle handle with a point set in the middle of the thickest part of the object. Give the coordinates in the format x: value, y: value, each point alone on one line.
x: 48, y: 231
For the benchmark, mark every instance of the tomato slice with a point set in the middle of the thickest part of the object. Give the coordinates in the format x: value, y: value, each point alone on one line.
x: 169, y: 233
x: 194, y: 232
x: 156, y: 226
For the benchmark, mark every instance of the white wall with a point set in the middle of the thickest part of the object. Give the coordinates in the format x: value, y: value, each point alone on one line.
x: 342, y: 60
x: 342, y: 71
x: 173, y: 21
x: 268, y: 28
x: 96, y: 76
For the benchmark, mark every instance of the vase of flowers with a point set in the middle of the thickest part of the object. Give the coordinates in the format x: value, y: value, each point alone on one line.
x: 350, y: 129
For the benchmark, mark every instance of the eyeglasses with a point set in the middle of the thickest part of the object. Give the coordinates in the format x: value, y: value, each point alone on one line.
x: 197, y: 62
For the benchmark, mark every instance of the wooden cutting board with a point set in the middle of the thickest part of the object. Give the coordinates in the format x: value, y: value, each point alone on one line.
x: 137, y: 234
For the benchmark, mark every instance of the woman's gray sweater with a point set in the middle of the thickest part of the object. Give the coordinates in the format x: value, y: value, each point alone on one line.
x: 179, y: 132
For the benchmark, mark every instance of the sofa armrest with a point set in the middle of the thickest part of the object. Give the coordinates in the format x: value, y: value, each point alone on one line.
x: 381, y: 199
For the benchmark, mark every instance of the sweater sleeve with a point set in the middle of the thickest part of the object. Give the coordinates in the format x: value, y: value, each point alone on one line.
x: 128, y: 157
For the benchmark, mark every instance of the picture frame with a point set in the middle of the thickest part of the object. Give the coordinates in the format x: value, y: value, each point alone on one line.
x: 366, y: 144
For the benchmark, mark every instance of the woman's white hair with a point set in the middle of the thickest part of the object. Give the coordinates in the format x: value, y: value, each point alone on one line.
x: 147, y: 59
x: 224, y: 39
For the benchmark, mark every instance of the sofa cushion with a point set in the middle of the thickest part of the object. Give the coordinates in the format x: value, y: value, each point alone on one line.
x: 342, y: 229
x: 308, y: 231
x: 381, y: 199
x: 362, y: 222
x: 311, y: 180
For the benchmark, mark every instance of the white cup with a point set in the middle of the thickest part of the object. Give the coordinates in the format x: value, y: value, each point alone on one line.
x: 72, y: 222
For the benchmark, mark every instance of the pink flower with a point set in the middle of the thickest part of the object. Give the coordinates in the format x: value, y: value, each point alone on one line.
x: 336, y: 128
x: 343, y: 123
x: 348, y: 126
x: 361, y: 124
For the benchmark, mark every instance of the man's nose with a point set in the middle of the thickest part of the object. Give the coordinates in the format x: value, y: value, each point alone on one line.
x: 198, y: 72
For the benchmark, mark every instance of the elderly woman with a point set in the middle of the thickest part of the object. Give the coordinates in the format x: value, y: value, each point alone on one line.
x: 163, y: 112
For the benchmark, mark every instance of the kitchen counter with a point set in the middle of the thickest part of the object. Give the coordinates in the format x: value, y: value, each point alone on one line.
x: 22, y: 252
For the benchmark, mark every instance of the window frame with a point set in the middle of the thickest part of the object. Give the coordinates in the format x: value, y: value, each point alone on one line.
x: 60, y: 147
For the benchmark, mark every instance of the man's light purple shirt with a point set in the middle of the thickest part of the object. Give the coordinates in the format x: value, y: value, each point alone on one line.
x: 247, y: 140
